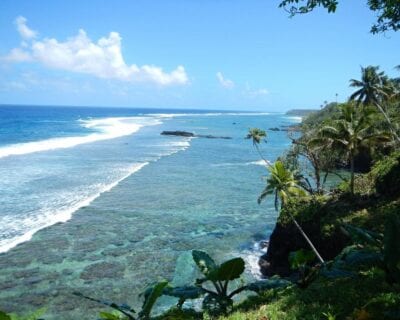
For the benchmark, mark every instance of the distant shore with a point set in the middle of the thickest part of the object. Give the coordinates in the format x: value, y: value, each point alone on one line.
x: 300, y: 112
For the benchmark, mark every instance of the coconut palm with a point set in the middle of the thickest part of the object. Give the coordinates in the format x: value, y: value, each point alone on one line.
x: 351, y: 132
x: 282, y: 184
x: 374, y: 89
x: 257, y: 136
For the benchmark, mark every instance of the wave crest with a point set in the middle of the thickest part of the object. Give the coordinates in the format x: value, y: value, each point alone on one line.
x: 105, y: 129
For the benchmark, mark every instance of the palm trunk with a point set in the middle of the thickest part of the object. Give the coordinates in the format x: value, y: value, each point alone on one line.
x: 352, y: 173
x: 261, y: 155
x: 392, y: 129
x: 307, y: 239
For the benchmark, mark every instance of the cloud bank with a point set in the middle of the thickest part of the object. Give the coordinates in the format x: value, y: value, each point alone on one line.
x: 102, y: 59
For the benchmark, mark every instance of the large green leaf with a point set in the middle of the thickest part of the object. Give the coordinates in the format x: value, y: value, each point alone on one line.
x: 205, y: 263
x: 4, y: 316
x: 186, y: 292
x: 362, y: 236
x: 300, y: 258
x: 150, y: 297
x: 229, y: 270
x: 123, y: 308
x: 108, y: 316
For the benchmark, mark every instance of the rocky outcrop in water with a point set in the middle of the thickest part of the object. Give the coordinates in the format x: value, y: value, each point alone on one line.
x: 287, y: 238
x: 191, y: 134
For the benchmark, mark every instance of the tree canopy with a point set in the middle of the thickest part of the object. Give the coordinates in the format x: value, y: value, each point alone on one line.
x: 387, y: 11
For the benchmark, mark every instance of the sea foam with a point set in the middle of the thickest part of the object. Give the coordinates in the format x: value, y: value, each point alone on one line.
x: 209, y: 114
x: 28, y: 226
x: 104, y: 129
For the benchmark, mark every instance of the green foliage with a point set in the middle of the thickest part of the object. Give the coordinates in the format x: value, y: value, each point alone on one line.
x: 128, y: 313
x: 203, y: 261
x: 362, y: 236
x: 387, y: 11
x: 329, y: 112
x: 264, y: 285
x: 281, y: 183
x: 32, y: 316
x: 219, y: 300
x: 150, y: 297
x: 227, y: 271
x: 256, y: 135
x: 300, y: 258
x: 391, y: 248
x: 386, y: 174
x: 303, y: 209
x: 352, y: 132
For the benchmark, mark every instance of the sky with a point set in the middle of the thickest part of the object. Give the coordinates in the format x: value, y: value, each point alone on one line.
x: 190, y: 54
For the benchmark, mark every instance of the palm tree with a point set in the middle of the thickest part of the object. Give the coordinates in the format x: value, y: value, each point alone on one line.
x: 374, y: 89
x: 282, y: 184
x: 351, y: 132
x: 257, y: 135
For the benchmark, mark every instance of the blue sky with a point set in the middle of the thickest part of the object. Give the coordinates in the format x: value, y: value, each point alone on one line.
x: 202, y: 54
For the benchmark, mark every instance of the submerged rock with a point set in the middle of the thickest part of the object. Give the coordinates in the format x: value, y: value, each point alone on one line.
x: 103, y: 270
x: 178, y: 133
x: 191, y: 134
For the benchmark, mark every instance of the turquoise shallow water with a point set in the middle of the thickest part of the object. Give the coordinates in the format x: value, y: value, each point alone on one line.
x: 173, y: 195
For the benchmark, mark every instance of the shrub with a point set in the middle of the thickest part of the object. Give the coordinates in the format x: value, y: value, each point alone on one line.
x: 386, y: 174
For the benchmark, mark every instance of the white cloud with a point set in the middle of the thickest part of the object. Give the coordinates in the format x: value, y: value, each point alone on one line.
x: 18, y: 55
x: 258, y: 92
x: 255, y: 92
x: 226, y: 83
x: 23, y: 29
x: 80, y: 54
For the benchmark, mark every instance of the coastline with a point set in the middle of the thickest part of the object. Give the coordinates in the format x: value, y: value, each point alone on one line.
x: 126, y: 233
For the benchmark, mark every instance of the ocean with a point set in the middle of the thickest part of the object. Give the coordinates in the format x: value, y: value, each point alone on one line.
x: 95, y: 200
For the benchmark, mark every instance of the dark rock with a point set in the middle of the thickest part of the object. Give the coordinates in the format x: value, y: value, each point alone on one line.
x: 52, y: 258
x: 27, y: 273
x: 115, y: 252
x: 287, y: 238
x: 264, y: 244
x: 208, y: 136
x: 31, y: 280
x: 178, y: 133
x: 293, y: 127
x: 67, y: 272
x: 37, y: 300
x: 274, y: 129
x: 7, y: 285
x: 103, y: 270
x: 191, y: 134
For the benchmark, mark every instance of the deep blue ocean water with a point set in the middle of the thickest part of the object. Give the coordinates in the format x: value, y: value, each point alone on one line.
x: 96, y: 200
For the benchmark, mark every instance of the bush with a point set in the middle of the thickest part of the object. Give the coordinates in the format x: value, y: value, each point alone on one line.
x: 387, y: 175
x: 303, y: 209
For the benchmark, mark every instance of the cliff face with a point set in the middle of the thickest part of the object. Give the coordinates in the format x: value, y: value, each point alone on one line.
x: 286, y: 238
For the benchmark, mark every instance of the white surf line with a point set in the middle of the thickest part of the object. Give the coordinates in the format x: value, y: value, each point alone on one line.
x: 109, y: 128
x: 210, y: 114
x: 65, y: 215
